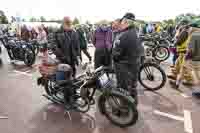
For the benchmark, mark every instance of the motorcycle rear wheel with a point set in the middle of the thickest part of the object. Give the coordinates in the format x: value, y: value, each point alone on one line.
x: 29, y: 57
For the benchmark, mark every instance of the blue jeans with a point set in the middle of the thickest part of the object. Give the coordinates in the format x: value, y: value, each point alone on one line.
x: 60, y: 75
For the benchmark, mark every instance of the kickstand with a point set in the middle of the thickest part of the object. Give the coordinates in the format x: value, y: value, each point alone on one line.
x: 90, y: 118
x: 69, y: 115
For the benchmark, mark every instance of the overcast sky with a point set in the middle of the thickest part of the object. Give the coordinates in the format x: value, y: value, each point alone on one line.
x: 94, y: 10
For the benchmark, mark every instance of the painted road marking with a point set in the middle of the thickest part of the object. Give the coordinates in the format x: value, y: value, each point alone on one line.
x: 188, y: 121
x: 178, y: 118
x: 184, y: 95
x: 22, y: 73
x: 3, y: 117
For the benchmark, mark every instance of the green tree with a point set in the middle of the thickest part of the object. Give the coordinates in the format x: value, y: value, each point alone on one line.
x: 33, y: 19
x: 42, y: 19
x: 76, y: 21
x: 3, y: 18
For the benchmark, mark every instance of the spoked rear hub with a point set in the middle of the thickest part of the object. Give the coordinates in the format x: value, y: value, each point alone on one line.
x: 150, y: 77
x: 29, y: 57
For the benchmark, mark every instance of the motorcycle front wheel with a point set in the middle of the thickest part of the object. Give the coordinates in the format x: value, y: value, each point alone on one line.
x: 152, y: 77
x: 29, y: 57
x: 161, y: 53
x: 119, y: 109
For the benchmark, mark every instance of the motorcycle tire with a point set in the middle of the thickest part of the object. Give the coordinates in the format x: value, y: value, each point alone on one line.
x: 37, y: 49
x: 29, y: 60
x: 146, y: 68
x: 131, y: 108
x: 161, y: 58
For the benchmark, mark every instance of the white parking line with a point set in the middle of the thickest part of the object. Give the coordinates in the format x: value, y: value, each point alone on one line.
x: 178, y: 118
x: 188, y: 121
x: 185, y: 96
x: 3, y: 117
x: 22, y: 73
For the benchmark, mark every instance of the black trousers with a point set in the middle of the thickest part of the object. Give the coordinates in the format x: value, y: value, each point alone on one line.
x: 127, y: 76
x: 102, y: 58
x: 73, y: 70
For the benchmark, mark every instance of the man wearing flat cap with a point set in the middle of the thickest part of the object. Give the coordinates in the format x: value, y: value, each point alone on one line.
x: 127, y: 52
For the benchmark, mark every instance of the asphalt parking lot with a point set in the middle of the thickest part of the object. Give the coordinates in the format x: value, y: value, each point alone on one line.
x: 24, y: 110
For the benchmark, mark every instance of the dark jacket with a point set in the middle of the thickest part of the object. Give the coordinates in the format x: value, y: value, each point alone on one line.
x: 82, y: 39
x: 67, y: 46
x: 127, y: 47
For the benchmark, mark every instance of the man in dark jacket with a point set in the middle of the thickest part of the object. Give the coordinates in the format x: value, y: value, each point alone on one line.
x: 67, y: 42
x: 127, y: 52
x: 83, y: 43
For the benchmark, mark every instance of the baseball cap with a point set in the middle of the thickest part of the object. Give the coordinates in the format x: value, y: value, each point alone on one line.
x: 129, y: 16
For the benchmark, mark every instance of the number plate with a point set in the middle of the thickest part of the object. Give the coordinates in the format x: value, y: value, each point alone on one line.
x: 103, y: 80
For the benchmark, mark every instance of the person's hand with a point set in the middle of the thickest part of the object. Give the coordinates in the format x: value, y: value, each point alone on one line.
x: 78, y: 61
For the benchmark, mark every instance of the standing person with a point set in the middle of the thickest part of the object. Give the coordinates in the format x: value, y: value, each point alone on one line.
x: 193, y: 54
x: 67, y: 42
x: 42, y: 39
x: 145, y: 29
x: 181, y: 48
x: 45, y: 29
x: 170, y: 30
x: 25, y: 33
x: 158, y: 28
x: 34, y: 34
x: 150, y: 28
x: 102, y: 40
x: 83, y: 43
x: 127, y: 52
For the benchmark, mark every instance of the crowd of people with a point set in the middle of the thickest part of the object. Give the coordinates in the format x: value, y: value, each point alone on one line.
x: 116, y: 45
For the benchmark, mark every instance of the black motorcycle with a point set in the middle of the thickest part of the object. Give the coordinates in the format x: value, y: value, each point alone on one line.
x: 116, y: 104
x: 157, y: 46
x: 19, y: 50
x: 34, y: 45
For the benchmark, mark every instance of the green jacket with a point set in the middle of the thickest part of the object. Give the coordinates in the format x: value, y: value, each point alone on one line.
x: 82, y: 39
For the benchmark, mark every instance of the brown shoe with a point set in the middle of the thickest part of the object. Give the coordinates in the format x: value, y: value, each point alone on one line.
x: 172, y: 66
x: 170, y: 76
x: 173, y: 84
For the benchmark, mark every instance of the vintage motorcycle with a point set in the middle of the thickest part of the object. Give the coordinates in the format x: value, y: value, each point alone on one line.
x: 19, y: 50
x: 116, y: 104
x: 156, y: 46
